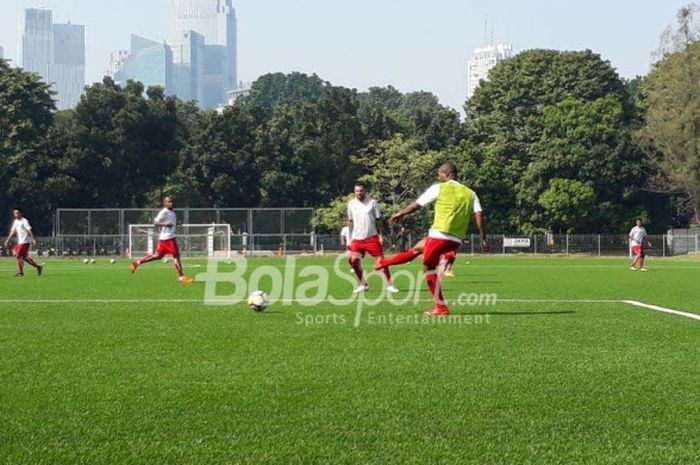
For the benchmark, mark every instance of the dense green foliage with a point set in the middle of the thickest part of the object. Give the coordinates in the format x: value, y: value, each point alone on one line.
x: 547, y: 144
x: 670, y: 96
x: 141, y: 372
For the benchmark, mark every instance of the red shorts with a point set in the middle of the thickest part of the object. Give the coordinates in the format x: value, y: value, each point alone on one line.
x: 21, y: 250
x: 450, y: 257
x: 638, y: 250
x: 436, y: 248
x: 168, y: 247
x: 371, y: 245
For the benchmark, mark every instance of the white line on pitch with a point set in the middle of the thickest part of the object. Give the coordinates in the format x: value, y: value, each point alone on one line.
x: 656, y: 308
x: 190, y: 301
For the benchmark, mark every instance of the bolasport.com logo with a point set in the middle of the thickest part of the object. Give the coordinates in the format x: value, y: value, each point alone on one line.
x: 313, y: 291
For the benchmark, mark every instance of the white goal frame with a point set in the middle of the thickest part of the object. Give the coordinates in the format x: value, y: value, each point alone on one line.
x: 184, y: 237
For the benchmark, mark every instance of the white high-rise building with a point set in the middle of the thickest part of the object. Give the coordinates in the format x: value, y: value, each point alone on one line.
x: 36, y: 41
x: 483, y: 60
x: 68, y: 73
x: 2, y: 53
x: 54, y: 51
x: 215, y: 22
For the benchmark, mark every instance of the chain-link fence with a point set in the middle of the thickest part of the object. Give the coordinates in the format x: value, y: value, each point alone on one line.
x: 563, y: 244
x: 106, y: 231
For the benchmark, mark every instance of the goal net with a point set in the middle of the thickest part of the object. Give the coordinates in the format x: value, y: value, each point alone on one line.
x: 194, y: 240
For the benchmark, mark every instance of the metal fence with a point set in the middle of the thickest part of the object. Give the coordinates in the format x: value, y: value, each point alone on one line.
x: 94, y: 232
x: 104, y: 232
x: 665, y: 245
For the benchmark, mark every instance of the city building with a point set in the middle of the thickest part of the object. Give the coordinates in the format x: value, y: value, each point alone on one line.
x: 243, y: 90
x: 2, y: 53
x: 148, y: 62
x: 68, y: 68
x: 188, y: 66
x: 215, y: 22
x: 484, y: 60
x: 36, y: 41
x: 54, y: 51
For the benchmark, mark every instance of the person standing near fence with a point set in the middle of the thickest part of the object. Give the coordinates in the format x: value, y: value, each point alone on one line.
x: 364, y: 218
x: 167, y: 241
x: 638, y: 237
x: 25, y: 239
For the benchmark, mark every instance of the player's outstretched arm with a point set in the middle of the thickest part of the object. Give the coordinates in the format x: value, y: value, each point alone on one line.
x: 410, y: 210
x: 481, y: 226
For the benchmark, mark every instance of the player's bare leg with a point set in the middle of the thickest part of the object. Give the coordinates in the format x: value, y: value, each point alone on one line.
x: 39, y: 269
x: 180, y: 273
x: 20, y: 266
x: 148, y: 258
x: 356, y: 264
x: 401, y: 258
x: 390, y: 287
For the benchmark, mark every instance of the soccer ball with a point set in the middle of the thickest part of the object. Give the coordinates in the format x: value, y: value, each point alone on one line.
x: 92, y: 261
x: 165, y: 260
x: 113, y: 261
x: 258, y: 301
x: 86, y: 261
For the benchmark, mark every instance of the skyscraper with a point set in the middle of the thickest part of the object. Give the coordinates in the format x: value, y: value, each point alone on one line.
x: 483, y: 60
x: 2, y: 53
x: 54, y: 51
x: 188, y: 66
x: 149, y: 62
x: 68, y: 73
x: 215, y: 21
x: 36, y: 42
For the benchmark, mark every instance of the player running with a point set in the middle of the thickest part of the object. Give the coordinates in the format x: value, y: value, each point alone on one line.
x: 364, y: 217
x: 454, y: 206
x: 166, y: 220
x: 25, y: 239
x: 638, y: 237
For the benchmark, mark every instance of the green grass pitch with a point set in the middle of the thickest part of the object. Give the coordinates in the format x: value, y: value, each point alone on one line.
x: 164, y: 379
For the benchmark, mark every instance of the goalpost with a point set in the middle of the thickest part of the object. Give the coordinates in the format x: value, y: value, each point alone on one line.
x: 195, y: 240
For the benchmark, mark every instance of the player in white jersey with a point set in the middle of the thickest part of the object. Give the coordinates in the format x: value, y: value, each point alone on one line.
x: 166, y: 220
x: 638, y: 238
x: 25, y: 238
x: 365, y: 236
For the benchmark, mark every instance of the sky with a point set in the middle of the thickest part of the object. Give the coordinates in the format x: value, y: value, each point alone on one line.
x: 410, y: 44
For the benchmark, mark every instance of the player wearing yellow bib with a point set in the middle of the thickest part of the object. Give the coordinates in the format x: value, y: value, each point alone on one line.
x: 455, y: 204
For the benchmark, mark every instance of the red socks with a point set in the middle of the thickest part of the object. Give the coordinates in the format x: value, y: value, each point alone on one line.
x: 403, y: 257
x: 436, y: 289
x: 178, y: 268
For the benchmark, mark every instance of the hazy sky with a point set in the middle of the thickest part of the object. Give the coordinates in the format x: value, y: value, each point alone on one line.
x: 414, y: 45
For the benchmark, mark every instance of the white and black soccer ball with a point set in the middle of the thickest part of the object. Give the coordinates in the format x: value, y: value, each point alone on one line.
x: 258, y: 301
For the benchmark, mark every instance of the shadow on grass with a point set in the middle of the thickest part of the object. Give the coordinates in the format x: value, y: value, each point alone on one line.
x: 558, y: 312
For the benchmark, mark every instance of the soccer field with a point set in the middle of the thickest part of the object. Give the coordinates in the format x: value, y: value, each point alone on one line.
x: 98, y: 366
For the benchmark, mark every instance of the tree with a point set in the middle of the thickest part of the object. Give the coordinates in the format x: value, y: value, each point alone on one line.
x: 535, y: 119
x: 26, y: 106
x: 122, y: 144
x: 589, y: 142
x: 398, y: 171
x: 671, y: 97
x: 217, y: 164
x: 566, y: 202
x: 274, y: 90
